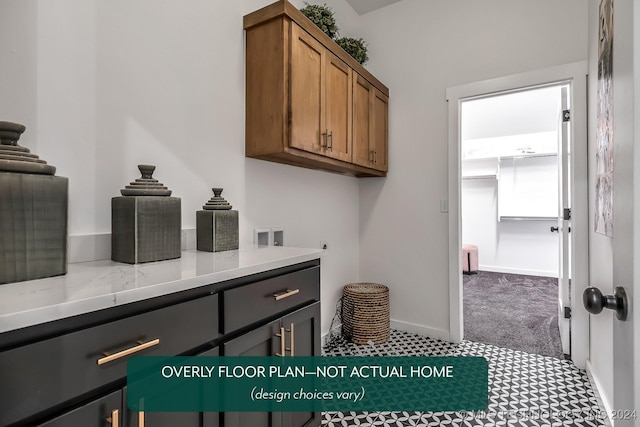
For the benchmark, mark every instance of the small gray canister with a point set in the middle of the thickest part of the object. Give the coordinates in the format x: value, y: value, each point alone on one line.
x: 146, y: 222
x: 217, y: 225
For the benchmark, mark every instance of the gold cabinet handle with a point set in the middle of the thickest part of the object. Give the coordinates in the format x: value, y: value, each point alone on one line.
x: 285, y: 294
x: 375, y: 156
x: 141, y: 419
x: 283, y: 340
x: 330, y: 140
x: 282, y: 348
x: 141, y: 346
x: 293, y: 346
x: 113, y: 419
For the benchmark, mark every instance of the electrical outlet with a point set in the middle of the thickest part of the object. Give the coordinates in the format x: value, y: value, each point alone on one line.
x: 262, y: 236
x: 444, y: 206
x: 278, y: 236
x: 324, y: 245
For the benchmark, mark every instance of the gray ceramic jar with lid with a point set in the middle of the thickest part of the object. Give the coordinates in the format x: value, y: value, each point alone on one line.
x: 146, y: 223
x: 217, y: 225
x: 33, y: 212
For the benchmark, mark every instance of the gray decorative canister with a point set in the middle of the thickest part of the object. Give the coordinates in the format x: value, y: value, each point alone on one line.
x: 33, y: 212
x: 217, y: 225
x: 146, y: 222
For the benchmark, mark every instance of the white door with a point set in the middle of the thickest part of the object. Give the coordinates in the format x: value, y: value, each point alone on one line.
x: 564, y: 220
x: 625, y: 196
x: 626, y: 78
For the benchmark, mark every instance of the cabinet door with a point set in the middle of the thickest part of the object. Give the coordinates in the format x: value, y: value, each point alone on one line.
x: 362, y: 148
x: 380, y: 129
x: 338, y: 108
x: 306, y: 103
x: 103, y: 412
x: 262, y: 341
x: 305, y: 341
x: 159, y: 419
x: 171, y: 419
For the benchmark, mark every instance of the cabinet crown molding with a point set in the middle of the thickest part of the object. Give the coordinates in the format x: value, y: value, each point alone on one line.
x: 284, y: 8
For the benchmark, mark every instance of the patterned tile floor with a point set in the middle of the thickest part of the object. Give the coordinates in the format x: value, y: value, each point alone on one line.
x: 524, y: 389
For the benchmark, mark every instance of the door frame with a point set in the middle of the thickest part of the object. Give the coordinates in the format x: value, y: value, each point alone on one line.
x: 576, y: 75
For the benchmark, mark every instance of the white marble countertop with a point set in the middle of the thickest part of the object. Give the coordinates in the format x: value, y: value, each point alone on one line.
x: 96, y: 285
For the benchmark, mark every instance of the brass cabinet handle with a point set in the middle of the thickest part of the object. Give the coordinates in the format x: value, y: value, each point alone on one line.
x: 293, y: 346
x: 141, y: 346
x: 330, y: 141
x: 113, y: 419
x: 285, y: 294
x: 141, y: 419
x: 283, y: 340
x: 375, y: 156
x: 282, y: 348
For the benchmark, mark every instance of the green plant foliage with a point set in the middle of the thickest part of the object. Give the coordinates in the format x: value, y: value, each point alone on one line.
x: 357, y: 48
x: 322, y: 16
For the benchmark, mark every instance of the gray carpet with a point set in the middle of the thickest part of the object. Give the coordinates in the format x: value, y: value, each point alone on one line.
x: 513, y: 311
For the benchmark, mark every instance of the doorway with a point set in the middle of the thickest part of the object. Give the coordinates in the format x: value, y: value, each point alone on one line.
x: 573, y: 78
x: 512, y: 196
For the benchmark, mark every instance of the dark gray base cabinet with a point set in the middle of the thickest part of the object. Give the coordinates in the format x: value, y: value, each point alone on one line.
x: 267, y: 341
x: 56, y: 375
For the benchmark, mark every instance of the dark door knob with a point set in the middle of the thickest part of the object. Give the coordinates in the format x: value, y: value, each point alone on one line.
x: 594, y: 301
x: 554, y: 229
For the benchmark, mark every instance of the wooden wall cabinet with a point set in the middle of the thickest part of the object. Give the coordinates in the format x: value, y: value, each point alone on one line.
x: 301, y: 97
x: 370, y: 125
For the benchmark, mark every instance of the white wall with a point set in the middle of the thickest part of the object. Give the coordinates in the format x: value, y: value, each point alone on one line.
x: 124, y: 82
x: 510, y: 246
x: 18, y: 56
x: 624, y: 254
x: 419, y: 49
x: 636, y: 189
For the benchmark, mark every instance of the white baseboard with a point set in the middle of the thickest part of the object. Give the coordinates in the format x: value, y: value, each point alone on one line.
x: 324, y: 339
x: 603, y: 402
x: 509, y: 270
x: 439, y: 334
x: 94, y: 247
x: 90, y: 247
x: 189, y: 239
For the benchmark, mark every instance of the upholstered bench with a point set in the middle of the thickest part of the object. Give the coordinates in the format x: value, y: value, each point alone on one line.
x: 469, y: 259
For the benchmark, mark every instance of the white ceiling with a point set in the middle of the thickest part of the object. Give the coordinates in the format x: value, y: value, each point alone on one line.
x: 365, y: 6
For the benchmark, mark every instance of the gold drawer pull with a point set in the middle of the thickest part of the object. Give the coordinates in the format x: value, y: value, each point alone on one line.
x: 113, y: 419
x: 285, y: 294
x: 142, y: 345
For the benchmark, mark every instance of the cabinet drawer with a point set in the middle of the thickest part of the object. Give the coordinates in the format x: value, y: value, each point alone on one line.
x: 39, y: 376
x: 260, y: 300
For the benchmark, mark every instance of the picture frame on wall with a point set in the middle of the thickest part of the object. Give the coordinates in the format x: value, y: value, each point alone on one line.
x: 604, y: 128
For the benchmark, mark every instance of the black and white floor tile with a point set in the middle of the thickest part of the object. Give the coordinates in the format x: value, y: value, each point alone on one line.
x: 524, y: 389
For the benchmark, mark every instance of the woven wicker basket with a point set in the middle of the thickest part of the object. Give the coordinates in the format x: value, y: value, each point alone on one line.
x: 365, y: 313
